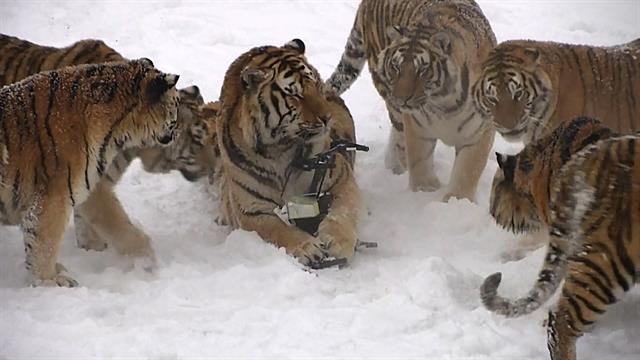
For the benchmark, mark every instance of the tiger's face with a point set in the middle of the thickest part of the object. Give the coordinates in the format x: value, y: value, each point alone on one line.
x: 515, y: 92
x: 284, y: 100
x: 512, y: 203
x: 195, y: 150
x: 157, y: 116
x: 416, y: 67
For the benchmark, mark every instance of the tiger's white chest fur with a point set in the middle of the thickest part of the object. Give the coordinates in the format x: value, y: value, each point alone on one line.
x: 455, y: 128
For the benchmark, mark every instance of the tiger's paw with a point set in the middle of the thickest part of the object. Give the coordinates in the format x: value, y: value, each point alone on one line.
x: 310, y: 251
x: 339, y: 244
x: 429, y: 184
x: 59, y: 279
x: 448, y: 196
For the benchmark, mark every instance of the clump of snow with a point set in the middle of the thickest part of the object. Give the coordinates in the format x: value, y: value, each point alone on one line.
x: 221, y: 294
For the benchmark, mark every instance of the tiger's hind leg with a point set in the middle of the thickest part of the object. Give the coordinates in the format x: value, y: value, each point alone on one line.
x: 86, y: 237
x: 395, y: 157
x: 468, y: 166
x: 103, y: 212
x: 419, y: 152
x: 43, y: 227
x: 596, y: 279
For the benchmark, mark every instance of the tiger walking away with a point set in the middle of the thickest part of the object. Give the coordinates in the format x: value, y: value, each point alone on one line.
x: 530, y: 87
x: 101, y: 217
x: 62, y: 129
x: 423, y: 56
x: 274, y: 111
x: 581, y: 182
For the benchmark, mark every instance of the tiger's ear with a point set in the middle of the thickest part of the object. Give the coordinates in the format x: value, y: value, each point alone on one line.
x: 159, y: 85
x: 532, y: 55
x: 251, y: 78
x: 508, y: 165
x: 442, y: 41
x: 296, y: 44
x: 395, y: 32
x: 146, y: 62
x: 191, y: 93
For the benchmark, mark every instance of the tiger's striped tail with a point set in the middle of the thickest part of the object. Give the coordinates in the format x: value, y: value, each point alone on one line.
x: 351, y: 62
x: 549, y: 278
x: 563, y: 233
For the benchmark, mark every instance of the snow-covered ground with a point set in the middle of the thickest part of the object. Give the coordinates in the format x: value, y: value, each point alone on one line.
x: 230, y: 295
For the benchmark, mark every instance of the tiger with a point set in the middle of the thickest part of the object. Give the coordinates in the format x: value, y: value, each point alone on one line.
x: 21, y: 58
x: 423, y: 56
x: 61, y: 129
x: 192, y: 154
x: 530, y: 87
x: 581, y: 182
x: 274, y: 108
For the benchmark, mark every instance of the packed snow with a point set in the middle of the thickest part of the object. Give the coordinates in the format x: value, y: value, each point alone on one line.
x: 222, y: 294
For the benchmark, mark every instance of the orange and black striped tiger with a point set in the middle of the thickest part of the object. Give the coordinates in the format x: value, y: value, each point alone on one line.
x: 60, y: 131
x: 20, y: 58
x: 530, y: 87
x: 581, y: 182
x: 192, y: 153
x: 274, y: 111
x: 423, y: 56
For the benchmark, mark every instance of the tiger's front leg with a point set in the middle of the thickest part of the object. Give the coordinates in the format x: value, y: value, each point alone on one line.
x: 43, y: 226
x: 470, y: 161
x: 396, y: 156
x: 338, y: 230
x: 297, y: 243
x: 103, y: 213
x: 419, y: 151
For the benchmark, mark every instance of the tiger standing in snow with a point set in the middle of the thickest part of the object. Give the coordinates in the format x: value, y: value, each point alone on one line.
x: 59, y: 132
x: 423, y: 56
x: 582, y: 182
x: 192, y: 153
x: 529, y: 87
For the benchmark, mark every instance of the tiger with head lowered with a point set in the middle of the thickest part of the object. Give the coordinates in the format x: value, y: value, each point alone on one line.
x: 60, y: 131
x: 274, y: 109
x: 581, y: 182
x: 423, y: 56
x: 530, y: 87
x: 192, y: 153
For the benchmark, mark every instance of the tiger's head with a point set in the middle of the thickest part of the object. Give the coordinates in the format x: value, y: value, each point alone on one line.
x: 141, y: 101
x: 195, y: 150
x: 418, y: 67
x: 520, y: 191
x: 512, y: 202
x: 515, y: 91
x: 275, y: 99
